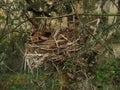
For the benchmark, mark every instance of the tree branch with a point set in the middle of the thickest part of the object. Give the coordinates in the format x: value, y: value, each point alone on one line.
x: 83, y: 14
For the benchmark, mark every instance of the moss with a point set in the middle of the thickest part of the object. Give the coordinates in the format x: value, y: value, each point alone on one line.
x: 108, y: 74
x: 15, y: 82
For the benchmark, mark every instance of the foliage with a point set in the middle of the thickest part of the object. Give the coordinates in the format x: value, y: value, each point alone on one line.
x: 12, y: 35
x: 15, y: 81
x: 108, y: 73
x: 68, y: 74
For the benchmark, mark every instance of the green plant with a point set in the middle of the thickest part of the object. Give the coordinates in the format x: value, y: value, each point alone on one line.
x: 108, y: 73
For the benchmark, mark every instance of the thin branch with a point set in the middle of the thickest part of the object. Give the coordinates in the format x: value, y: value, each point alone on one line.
x: 13, y: 30
x: 22, y: 52
x: 113, y: 1
x: 9, y: 68
x: 56, y: 67
x: 83, y: 14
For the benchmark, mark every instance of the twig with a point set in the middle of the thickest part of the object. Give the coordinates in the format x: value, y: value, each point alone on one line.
x: 82, y: 14
x: 84, y: 74
x: 56, y: 33
x: 9, y: 68
x: 13, y: 30
x: 115, y: 4
x: 33, y: 55
x: 64, y: 37
x: 56, y: 67
x: 107, y: 48
x: 42, y: 48
x: 36, y: 26
x: 22, y: 52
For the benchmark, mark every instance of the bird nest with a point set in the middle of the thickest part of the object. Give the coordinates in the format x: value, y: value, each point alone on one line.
x: 47, y: 45
x: 53, y: 47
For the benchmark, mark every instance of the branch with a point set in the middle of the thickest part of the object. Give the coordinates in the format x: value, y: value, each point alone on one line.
x: 83, y: 14
x: 32, y: 22
x: 13, y: 30
x: 115, y: 4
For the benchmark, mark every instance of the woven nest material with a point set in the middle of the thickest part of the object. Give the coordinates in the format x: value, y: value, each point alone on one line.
x: 54, y: 47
